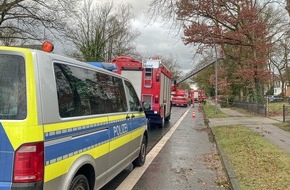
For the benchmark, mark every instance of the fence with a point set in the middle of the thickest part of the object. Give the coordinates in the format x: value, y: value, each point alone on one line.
x: 286, y: 113
x: 259, y: 109
x: 262, y: 110
x: 280, y: 113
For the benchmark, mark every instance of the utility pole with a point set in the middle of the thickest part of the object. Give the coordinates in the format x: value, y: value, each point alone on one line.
x: 216, y: 68
x: 216, y: 77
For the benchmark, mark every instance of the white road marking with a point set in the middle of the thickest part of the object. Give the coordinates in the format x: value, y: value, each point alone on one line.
x: 136, y: 174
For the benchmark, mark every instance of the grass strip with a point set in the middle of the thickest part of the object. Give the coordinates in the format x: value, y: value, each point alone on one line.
x: 257, y: 163
x: 210, y: 112
x: 285, y: 126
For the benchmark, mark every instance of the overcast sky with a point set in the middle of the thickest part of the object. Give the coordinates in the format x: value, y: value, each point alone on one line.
x: 157, y: 39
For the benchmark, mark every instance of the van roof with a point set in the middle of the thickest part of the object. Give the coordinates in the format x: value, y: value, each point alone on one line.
x: 58, y: 57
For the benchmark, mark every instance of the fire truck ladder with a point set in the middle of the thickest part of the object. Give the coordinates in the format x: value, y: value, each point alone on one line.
x: 194, y: 71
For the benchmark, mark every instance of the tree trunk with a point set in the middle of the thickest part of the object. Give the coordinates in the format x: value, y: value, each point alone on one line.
x: 288, y: 6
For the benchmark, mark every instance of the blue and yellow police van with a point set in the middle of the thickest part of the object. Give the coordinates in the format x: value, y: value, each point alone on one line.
x: 65, y: 124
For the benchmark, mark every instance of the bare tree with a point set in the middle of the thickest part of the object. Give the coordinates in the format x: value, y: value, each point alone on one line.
x: 101, y: 31
x: 24, y: 21
x: 280, y: 60
x: 172, y: 65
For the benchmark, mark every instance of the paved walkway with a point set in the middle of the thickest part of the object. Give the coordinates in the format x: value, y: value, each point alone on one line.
x: 262, y: 125
x: 186, y: 161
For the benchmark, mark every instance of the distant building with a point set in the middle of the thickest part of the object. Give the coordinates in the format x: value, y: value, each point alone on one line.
x: 277, y: 86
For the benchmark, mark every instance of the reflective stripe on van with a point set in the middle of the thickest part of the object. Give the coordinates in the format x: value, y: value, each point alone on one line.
x: 92, y: 139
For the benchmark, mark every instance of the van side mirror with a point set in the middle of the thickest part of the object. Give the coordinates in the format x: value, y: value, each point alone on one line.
x: 146, y: 106
x: 140, y: 109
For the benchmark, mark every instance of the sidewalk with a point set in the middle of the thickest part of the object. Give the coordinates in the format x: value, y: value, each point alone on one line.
x: 261, y: 125
x: 186, y: 161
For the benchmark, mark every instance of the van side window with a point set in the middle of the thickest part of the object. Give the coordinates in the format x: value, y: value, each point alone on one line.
x: 132, y: 97
x: 115, y: 92
x: 89, y: 92
x: 64, y: 93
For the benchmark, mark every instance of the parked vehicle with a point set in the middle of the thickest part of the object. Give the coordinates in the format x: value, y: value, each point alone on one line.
x: 152, y: 81
x: 180, y: 97
x: 65, y: 124
x: 197, y: 96
x: 275, y: 98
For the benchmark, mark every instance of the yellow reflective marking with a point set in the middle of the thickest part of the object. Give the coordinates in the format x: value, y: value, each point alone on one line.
x: 138, y: 133
x: 21, y: 132
x: 76, y: 123
x: 61, y: 167
x: 117, y: 117
x: 120, y: 141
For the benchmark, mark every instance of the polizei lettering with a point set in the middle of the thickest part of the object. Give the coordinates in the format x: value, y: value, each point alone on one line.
x: 120, y: 129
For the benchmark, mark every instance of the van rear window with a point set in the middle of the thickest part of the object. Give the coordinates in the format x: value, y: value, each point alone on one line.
x: 12, y: 87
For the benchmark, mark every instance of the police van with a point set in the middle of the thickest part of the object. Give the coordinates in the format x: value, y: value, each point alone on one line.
x: 65, y: 124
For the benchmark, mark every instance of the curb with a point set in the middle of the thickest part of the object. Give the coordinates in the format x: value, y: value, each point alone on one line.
x: 228, y: 169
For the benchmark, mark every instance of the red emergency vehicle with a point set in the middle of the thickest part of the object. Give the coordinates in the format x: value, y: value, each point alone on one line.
x: 179, y: 97
x: 197, y: 96
x: 152, y: 82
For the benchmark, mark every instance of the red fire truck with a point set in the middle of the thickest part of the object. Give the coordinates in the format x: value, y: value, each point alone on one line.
x: 179, y: 97
x: 197, y: 96
x: 152, y: 82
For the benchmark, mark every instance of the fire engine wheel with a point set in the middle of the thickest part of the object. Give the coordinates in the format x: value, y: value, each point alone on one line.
x: 167, y: 118
x: 80, y: 182
x: 140, y: 160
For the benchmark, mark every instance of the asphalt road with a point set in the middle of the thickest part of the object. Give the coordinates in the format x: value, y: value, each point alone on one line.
x: 155, y: 134
x: 187, y: 160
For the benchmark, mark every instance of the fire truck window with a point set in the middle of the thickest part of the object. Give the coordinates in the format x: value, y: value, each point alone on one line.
x: 148, y: 72
x: 132, y: 97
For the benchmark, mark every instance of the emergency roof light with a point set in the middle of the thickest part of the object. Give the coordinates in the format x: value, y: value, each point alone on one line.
x: 47, y: 46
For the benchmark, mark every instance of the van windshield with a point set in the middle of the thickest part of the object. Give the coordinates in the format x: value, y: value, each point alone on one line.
x: 12, y: 87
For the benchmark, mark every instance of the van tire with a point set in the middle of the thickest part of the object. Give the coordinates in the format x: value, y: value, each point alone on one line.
x: 80, y: 182
x: 140, y: 160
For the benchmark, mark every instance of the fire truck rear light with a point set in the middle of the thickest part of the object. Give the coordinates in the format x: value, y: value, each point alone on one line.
x: 158, y: 77
x: 156, y: 99
x: 29, y: 163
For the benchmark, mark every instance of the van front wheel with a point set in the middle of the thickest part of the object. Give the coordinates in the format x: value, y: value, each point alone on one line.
x: 140, y: 160
x: 80, y: 182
